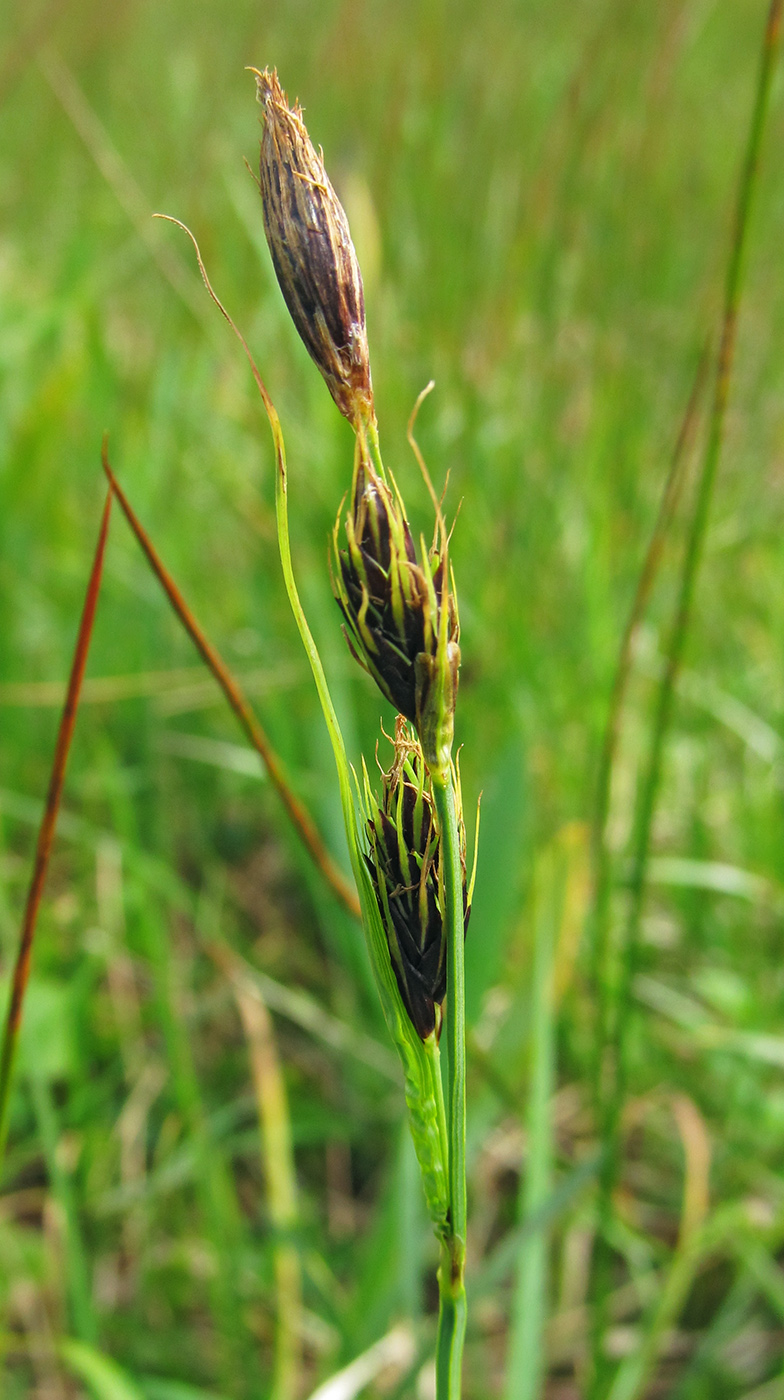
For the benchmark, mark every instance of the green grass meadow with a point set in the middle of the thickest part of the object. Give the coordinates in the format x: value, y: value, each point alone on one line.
x: 541, y: 194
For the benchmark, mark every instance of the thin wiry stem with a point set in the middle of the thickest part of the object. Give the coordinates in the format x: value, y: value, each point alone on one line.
x: 451, y: 1273
x: 615, y: 1068
x: 300, y: 817
x: 47, y: 829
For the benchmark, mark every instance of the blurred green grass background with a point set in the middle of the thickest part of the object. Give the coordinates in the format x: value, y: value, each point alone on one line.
x: 540, y: 195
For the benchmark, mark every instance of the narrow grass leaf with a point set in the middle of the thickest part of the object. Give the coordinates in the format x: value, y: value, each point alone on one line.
x: 397, y: 1348
x: 213, y: 1181
x: 47, y: 829
x: 277, y: 1159
x: 717, y: 1233
x: 76, y: 1278
x: 106, y: 1380
x: 560, y: 896
x: 529, y: 1311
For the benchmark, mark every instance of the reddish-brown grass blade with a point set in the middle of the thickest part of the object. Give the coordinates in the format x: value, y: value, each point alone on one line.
x: 47, y: 829
x: 301, y: 818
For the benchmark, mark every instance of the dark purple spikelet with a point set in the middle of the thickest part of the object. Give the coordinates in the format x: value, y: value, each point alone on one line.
x: 392, y: 603
x: 404, y: 861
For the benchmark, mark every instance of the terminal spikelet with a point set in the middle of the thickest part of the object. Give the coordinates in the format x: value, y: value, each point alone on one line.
x: 312, y: 252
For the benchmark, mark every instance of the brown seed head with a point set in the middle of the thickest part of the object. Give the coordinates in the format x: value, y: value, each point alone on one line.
x: 314, y: 259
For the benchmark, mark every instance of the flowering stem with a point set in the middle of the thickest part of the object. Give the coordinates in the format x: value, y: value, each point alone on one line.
x: 451, y: 1330
x: 451, y: 1273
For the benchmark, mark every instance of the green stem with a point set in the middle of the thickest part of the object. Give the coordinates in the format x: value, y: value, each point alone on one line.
x: 451, y: 1330
x: 602, y: 979
x: 75, y: 1260
x: 600, y: 852
x: 451, y: 1273
x: 615, y: 1069
x: 526, y: 1358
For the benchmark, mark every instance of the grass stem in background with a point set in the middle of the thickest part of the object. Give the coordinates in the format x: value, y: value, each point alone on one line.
x: 716, y: 1233
x: 451, y: 1273
x: 118, y: 176
x: 600, y: 853
x: 525, y: 1367
x: 47, y: 830
x: 214, y: 1184
x: 300, y: 817
x: 601, y: 859
x: 76, y: 1270
x: 561, y: 891
x: 277, y: 1158
x: 615, y: 1067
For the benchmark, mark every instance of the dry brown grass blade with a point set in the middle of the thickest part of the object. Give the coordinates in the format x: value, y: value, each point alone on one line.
x: 697, y: 1158
x: 300, y: 817
x: 47, y: 829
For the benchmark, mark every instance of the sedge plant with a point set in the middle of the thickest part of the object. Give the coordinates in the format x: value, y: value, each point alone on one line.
x: 401, y: 623
x: 407, y: 847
